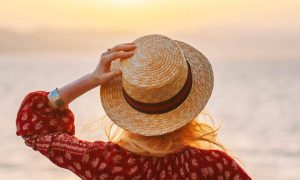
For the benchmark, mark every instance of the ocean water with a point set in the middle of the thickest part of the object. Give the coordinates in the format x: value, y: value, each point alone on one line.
x: 257, y: 103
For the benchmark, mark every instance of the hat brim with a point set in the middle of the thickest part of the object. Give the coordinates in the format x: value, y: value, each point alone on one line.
x: 128, y: 118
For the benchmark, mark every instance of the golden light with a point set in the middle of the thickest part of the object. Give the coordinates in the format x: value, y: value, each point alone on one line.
x: 128, y: 3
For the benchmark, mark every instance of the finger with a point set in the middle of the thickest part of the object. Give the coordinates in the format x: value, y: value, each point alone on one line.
x: 110, y: 75
x: 105, y: 53
x: 123, y: 47
x: 116, y: 55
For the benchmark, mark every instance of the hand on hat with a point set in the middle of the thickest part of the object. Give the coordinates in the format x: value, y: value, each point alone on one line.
x: 102, y: 73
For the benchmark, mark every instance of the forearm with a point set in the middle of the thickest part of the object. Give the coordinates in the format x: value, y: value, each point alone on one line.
x: 99, y: 76
x: 76, y: 88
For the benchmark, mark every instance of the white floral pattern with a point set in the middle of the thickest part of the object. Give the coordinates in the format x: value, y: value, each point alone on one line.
x: 195, y: 162
x: 117, y: 158
x: 149, y: 172
x: 146, y: 165
x: 77, y: 165
x: 133, y: 170
x: 34, y: 117
x: 131, y: 161
x: 88, y: 174
x: 52, y: 133
x: 170, y: 169
x: 227, y: 174
x: 215, y: 154
x: 116, y: 169
x: 220, y: 167
x: 194, y: 176
x: 85, y: 158
x: 102, y: 166
x: 52, y: 122
x: 95, y: 162
x: 38, y: 125
x: 236, y: 177
x: 24, y: 117
x: 59, y: 159
x: 68, y: 156
x: 103, y: 176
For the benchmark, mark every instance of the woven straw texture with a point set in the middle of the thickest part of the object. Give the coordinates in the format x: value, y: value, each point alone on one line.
x: 156, y: 72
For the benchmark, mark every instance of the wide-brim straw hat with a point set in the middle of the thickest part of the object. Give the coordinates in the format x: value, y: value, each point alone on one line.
x: 164, y: 85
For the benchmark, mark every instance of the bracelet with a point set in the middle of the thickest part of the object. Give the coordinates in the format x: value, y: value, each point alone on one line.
x: 55, y: 99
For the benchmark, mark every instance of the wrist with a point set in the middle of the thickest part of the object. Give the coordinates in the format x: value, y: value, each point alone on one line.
x: 93, y: 79
x: 55, y: 101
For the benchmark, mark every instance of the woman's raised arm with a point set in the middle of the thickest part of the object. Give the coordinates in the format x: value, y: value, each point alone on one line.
x: 99, y: 76
x: 51, y: 131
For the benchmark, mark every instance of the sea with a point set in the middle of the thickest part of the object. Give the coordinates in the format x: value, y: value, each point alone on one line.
x: 257, y: 104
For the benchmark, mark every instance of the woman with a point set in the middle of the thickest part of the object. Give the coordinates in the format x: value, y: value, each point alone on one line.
x: 164, y: 85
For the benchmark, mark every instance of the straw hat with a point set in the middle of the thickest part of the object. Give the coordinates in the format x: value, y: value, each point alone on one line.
x: 164, y: 85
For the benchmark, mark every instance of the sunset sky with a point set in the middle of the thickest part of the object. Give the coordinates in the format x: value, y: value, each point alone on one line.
x: 149, y: 15
x: 268, y: 23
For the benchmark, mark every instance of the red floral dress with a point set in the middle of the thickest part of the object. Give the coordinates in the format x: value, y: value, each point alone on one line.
x: 51, y: 132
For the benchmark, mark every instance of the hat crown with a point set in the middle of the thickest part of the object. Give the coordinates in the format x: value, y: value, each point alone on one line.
x: 156, y: 72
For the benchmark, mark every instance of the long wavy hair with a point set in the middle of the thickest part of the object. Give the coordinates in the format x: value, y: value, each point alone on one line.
x: 197, y: 133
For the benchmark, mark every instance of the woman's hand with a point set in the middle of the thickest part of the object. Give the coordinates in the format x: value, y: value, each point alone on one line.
x: 102, y: 73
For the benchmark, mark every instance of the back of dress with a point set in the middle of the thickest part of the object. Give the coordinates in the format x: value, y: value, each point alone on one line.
x: 189, y: 163
x: 51, y: 132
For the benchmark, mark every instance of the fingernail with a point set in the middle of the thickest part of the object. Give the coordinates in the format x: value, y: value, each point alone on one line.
x: 118, y: 72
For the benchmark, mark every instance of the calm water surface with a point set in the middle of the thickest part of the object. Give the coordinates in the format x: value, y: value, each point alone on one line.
x: 257, y: 102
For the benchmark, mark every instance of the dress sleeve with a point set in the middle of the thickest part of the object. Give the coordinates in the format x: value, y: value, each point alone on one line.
x: 51, y: 132
x: 228, y: 167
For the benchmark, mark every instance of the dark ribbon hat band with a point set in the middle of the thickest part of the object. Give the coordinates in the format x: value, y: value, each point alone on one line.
x: 164, y: 106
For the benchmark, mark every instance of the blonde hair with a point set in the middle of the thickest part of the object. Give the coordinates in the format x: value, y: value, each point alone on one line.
x: 195, y: 133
